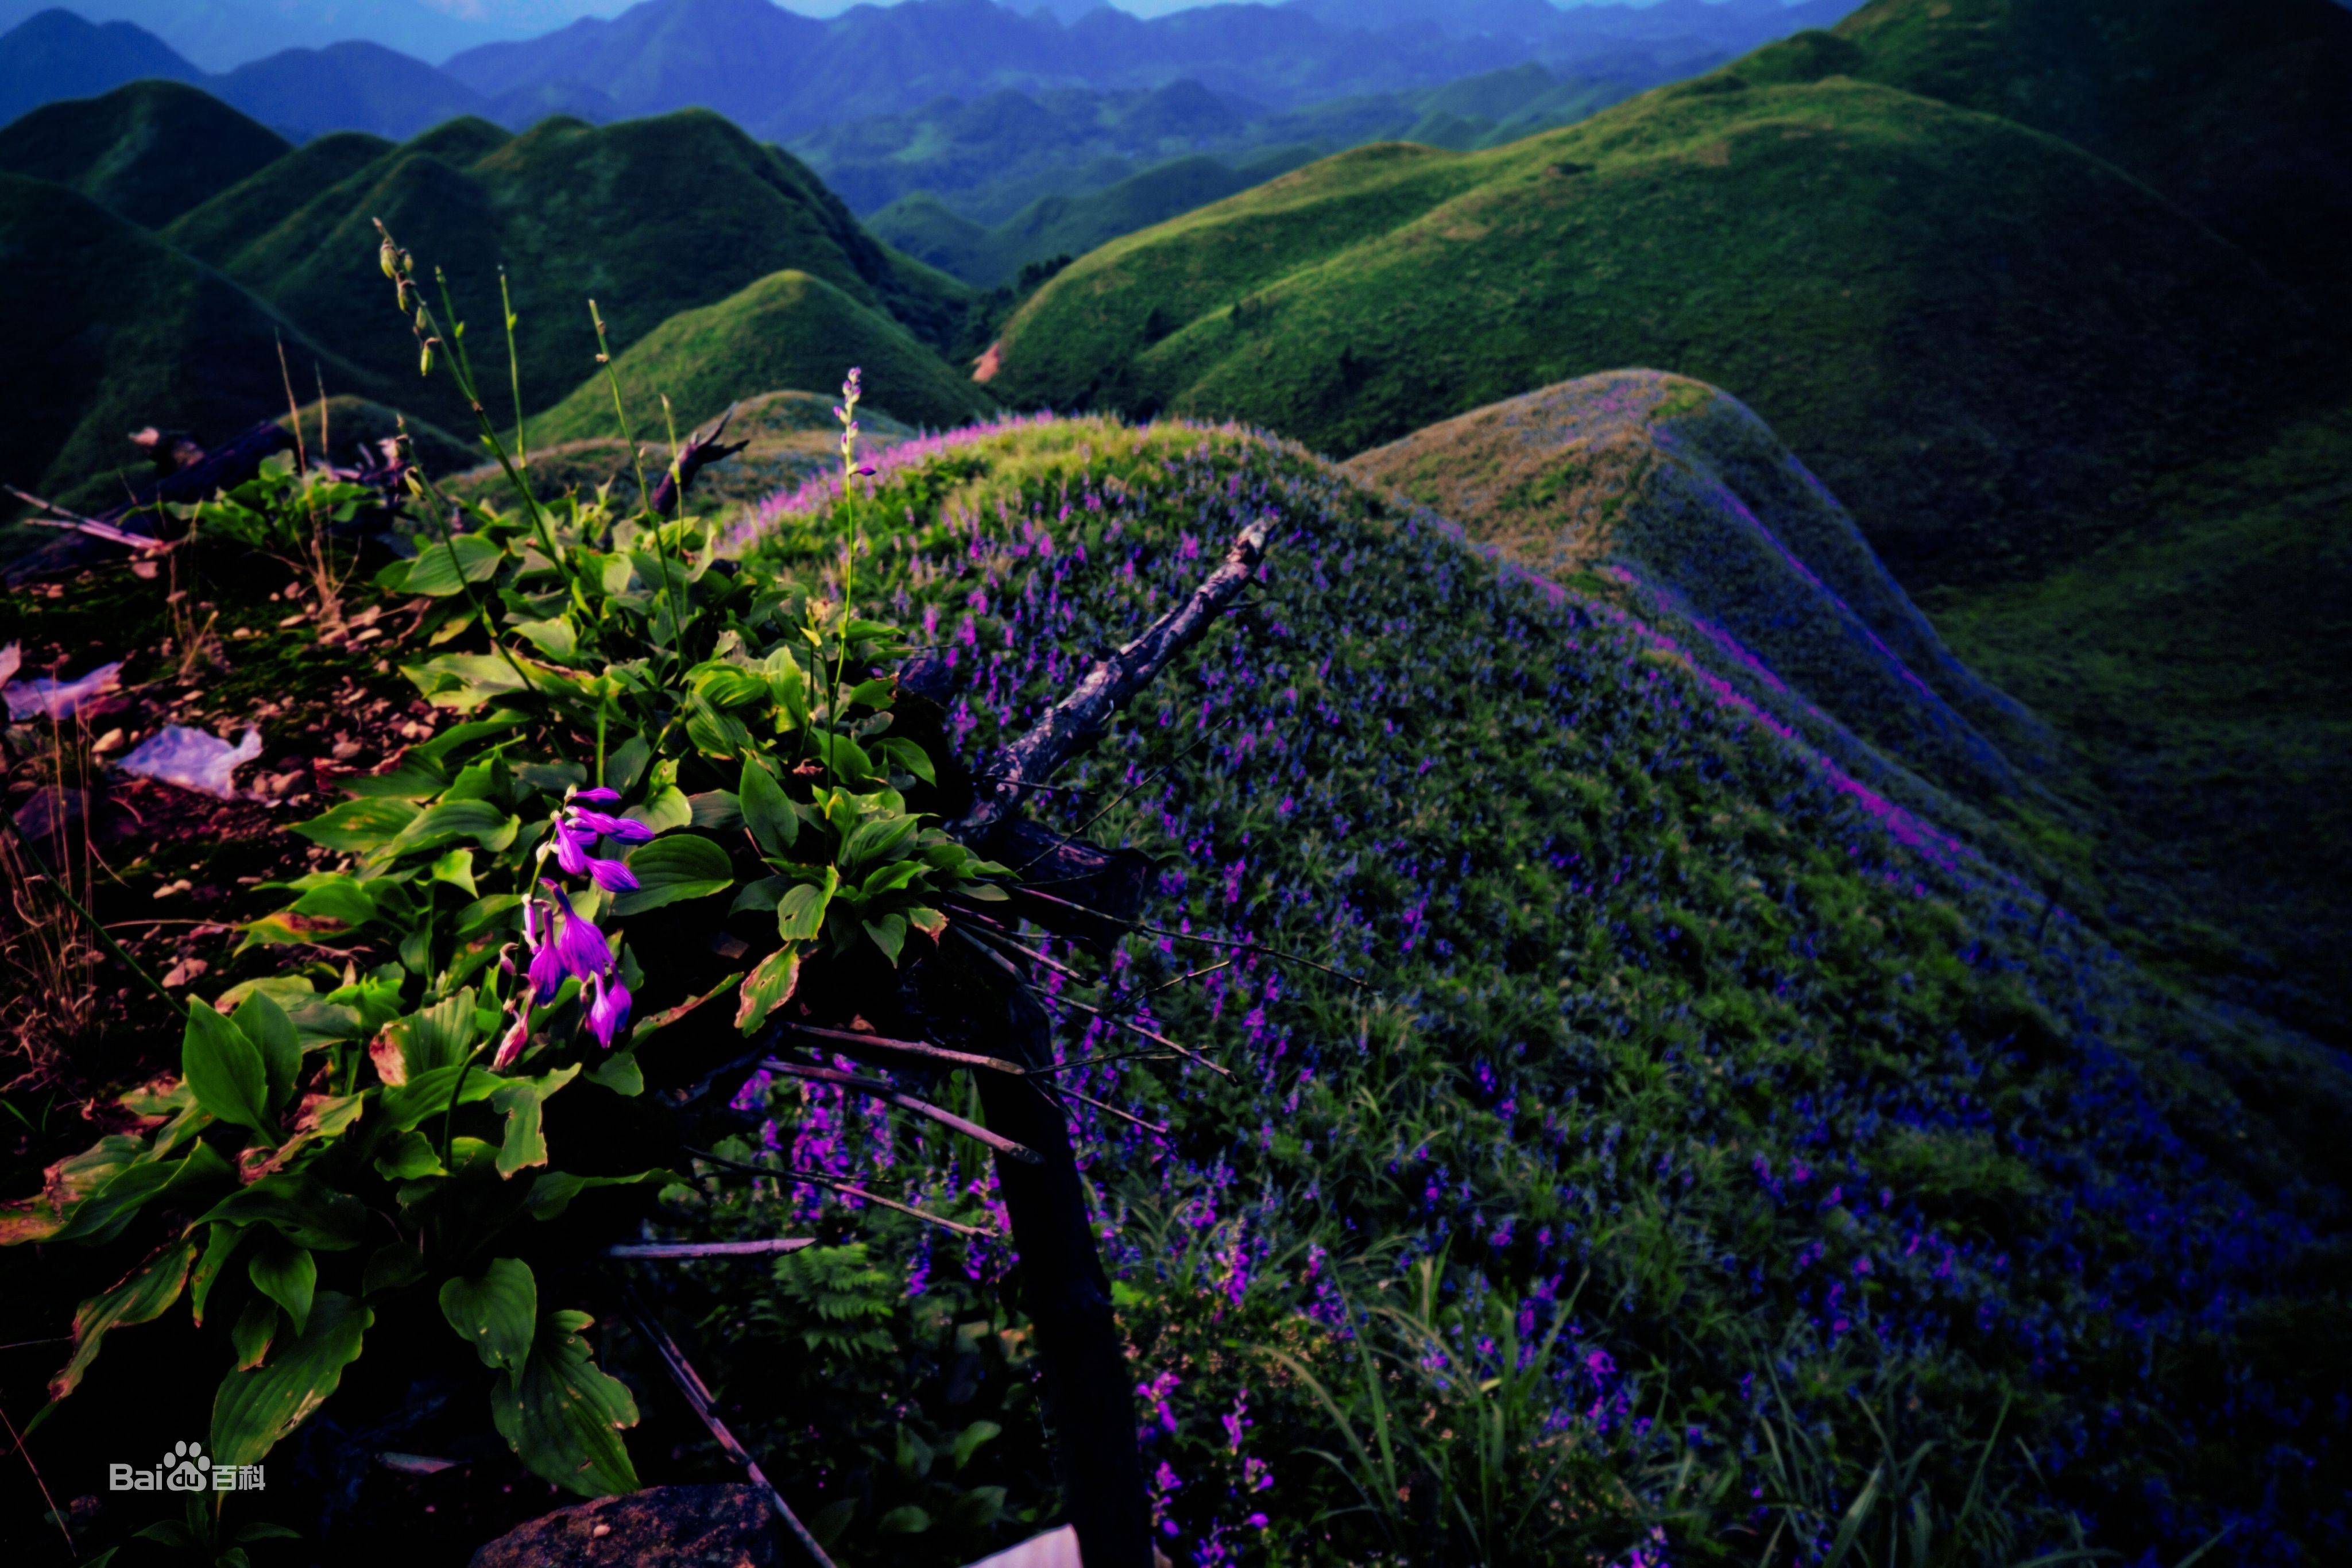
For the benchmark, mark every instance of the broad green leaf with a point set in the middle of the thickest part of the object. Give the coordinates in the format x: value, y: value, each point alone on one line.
x: 356, y: 827
x: 408, y: 1156
x: 256, y: 1326
x: 483, y: 912
x: 224, y: 1068
x: 221, y: 1244
x: 768, y: 988
x: 563, y: 1416
x: 619, y: 1073
x: 556, y: 639
x: 519, y: 1100
x: 882, y: 838
x: 464, y: 682
x: 445, y: 566
x: 910, y: 757
x: 287, y: 1274
x: 761, y: 894
x: 484, y: 821
x: 65, y: 1185
x: 142, y: 1296
x: 265, y: 1023
x: 889, y: 934
x: 968, y: 1442
x: 553, y: 1192
x: 788, y: 684
x: 456, y: 737
x: 766, y: 810
x: 799, y: 913
x: 716, y: 811
x: 625, y: 763
x: 109, y: 1212
x: 428, y: 1095
x: 846, y: 758
x: 682, y: 866
x: 390, y: 1267
x: 437, y: 1036
x: 930, y: 922
x: 254, y: 1409
x: 457, y: 869
x: 666, y: 811
x: 496, y: 1312
x: 338, y: 896
x: 298, y: 1207
x: 417, y: 778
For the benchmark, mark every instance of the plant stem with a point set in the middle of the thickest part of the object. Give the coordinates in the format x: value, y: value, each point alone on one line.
x: 105, y: 939
x: 514, y: 368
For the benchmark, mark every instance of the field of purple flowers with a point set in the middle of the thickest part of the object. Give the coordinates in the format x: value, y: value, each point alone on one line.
x: 1695, y: 1156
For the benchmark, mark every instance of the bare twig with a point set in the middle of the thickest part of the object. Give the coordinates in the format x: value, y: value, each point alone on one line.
x: 16, y: 1438
x: 890, y: 1093
x: 698, y: 1395
x: 701, y: 450
x: 767, y: 1248
x: 1079, y: 719
x: 851, y: 1043
x: 810, y: 1178
x: 1275, y: 953
x: 1109, y: 1109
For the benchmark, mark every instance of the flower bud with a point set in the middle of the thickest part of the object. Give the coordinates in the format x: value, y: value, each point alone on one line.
x: 387, y: 255
x: 425, y: 360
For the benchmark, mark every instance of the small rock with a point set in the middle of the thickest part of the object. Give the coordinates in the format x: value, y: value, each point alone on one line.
x: 106, y: 743
x: 661, y: 1527
x: 171, y: 889
x: 185, y: 972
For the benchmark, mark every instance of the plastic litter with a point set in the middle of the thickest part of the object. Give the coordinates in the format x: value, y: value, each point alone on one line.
x: 10, y: 657
x: 48, y: 698
x: 1055, y: 1548
x: 193, y: 759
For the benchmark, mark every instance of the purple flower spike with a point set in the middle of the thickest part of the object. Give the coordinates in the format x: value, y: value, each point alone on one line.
x: 599, y: 796
x: 572, y: 849
x: 511, y: 1046
x: 581, y: 947
x: 609, y: 1013
x: 546, y: 975
x: 612, y: 875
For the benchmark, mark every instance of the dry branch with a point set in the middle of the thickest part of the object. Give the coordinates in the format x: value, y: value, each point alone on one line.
x: 701, y: 450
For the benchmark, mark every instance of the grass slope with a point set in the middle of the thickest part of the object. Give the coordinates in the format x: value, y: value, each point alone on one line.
x: 2241, y: 112
x: 788, y: 329
x: 1973, y: 332
x: 109, y: 330
x: 1667, y: 495
x: 149, y: 151
x: 648, y: 217
x: 1792, y: 1118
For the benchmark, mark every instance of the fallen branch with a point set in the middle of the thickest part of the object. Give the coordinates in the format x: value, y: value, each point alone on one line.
x: 1109, y: 1109
x: 698, y: 1395
x: 834, y: 1183
x: 849, y: 1042
x: 1080, y: 719
x: 767, y: 1248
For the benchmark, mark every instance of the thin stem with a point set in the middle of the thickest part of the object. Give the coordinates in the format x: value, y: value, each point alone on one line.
x: 449, y: 1117
x: 645, y: 494
x: 514, y: 368
x: 812, y: 1179
x: 65, y: 893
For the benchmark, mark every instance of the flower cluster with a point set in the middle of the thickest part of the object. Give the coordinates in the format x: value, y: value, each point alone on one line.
x: 577, y: 827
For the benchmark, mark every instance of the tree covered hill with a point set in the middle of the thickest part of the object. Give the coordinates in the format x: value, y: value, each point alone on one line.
x: 148, y: 151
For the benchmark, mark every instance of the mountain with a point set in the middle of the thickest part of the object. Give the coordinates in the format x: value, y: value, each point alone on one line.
x: 108, y: 329
x: 2241, y: 113
x: 147, y: 152
x: 1974, y: 333
x: 784, y: 75
x: 788, y: 329
x: 1667, y: 495
x: 648, y: 217
x: 347, y: 87
x: 57, y: 54
x: 221, y: 35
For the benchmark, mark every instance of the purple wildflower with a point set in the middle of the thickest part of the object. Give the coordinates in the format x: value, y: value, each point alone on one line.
x: 599, y: 796
x: 580, y: 948
x: 622, y: 830
x: 609, y: 1013
x: 511, y: 1045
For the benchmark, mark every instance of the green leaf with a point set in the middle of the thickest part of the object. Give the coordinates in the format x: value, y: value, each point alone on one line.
x: 434, y: 574
x: 787, y: 684
x: 339, y: 897
x: 880, y: 839
x: 619, y: 1073
x: 287, y: 1274
x: 904, y: 1520
x: 220, y: 1246
x: 716, y: 811
x: 520, y: 1100
x: 265, y: 1023
x: 496, y: 1312
x: 409, y: 1156
x: 428, y: 1094
x: 437, y: 750
x: 968, y: 1441
x: 391, y: 1265
x: 479, y: 915
x: 142, y: 1296
x: 768, y: 988
x: 670, y: 870
x: 484, y: 821
x: 298, y: 1207
x: 417, y: 778
x: 457, y: 869
x: 464, y: 682
x: 356, y: 827
x: 889, y: 934
x: 625, y: 763
x: 562, y: 1417
x: 556, y: 639
x: 766, y: 810
x: 553, y: 1191
x: 437, y: 1036
x: 667, y: 811
x: 254, y: 1409
x: 910, y: 757
x: 762, y: 895
x: 109, y: 1212
x: 224, y: 1068
x: 799, y: 913
x: 256, y: 1326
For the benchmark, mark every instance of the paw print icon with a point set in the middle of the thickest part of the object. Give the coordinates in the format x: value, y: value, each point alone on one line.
x: 186, y: 1469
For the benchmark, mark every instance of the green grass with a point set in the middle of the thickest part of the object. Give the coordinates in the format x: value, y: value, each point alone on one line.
x: 649, y: 218
x: 109, y: 330
x: 787, y: 330
x: 2242, y: 113
x: 148, y: 151
x: 1972, y: 331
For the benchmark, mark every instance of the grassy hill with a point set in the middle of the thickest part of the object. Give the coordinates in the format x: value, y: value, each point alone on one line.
x: 109, y: 330
x: 788, y: 329
x: 648, y: 217
x: 148, y: 151
x: 1973, y: 332
x: 1664, y: 494
x: 2242, y: 113
x: 1819, y: 1137
x: 235, y: 217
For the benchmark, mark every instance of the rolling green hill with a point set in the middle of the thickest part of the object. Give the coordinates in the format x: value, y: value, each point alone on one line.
x: 648, y: 217
x: 788, y: 331
x: 237, y: 216
x: 1972, y: 331
x: 148, y: 151
x: 108, y: 329
x: 2241, y: 113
